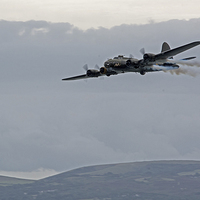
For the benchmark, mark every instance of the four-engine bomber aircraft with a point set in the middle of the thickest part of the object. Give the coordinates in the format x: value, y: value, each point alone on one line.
x: 150, y: 63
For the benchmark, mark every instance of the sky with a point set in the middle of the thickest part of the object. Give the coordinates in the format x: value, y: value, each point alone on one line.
x: 49, y: 126
x: 96, y: 13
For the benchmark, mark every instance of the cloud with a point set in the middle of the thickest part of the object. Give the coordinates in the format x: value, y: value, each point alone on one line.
x: 97, y: 13
x: 50, y: 124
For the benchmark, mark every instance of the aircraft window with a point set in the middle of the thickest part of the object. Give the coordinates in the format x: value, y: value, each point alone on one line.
x: 120, y: 56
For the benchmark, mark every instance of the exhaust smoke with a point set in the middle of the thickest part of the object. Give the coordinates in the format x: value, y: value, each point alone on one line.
x: 185, y: 71
x: 180, y: 71
x: 190, y: 64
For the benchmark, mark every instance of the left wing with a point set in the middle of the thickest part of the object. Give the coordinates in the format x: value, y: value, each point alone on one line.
x: 75, y: 77
x: 90, y: 73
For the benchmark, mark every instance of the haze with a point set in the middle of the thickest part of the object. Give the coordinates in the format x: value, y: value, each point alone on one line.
x: 48, y: 126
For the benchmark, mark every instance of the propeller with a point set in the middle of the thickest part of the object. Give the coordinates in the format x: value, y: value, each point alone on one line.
x: 131, y: 56
x: 142, y: 51
x: 97, y: 67
x: 85, y: 67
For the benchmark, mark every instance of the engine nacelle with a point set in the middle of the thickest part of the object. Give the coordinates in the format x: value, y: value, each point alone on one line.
x: 107, y: 72
x: 103, y: 70
x: 149, y: 57
x: 123, y: 63
x: 128, y: 62
x: 93, y: 73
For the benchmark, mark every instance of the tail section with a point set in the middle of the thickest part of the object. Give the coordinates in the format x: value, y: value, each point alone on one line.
x: 165, y: 47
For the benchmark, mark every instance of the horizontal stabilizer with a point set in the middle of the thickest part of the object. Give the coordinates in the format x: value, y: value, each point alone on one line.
x: 190, y: 58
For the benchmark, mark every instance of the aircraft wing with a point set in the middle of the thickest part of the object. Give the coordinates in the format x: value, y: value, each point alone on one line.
x: 173, y: 52
x: 76, y: 77
x: 84, y: 76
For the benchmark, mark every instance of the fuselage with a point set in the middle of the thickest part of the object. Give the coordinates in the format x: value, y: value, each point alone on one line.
x: 123, y: 64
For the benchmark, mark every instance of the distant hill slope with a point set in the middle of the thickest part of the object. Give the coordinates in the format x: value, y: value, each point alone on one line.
x: 166, y: 180
x: 9, y: 181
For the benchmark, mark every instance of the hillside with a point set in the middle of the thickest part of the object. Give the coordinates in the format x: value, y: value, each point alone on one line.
x: 9, y: 181
x: 166, y: 180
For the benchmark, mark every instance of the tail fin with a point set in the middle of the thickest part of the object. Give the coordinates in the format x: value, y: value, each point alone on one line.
x: 165, y: 47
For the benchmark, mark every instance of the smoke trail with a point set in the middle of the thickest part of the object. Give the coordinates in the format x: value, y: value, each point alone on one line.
x: 185, y: 71
x: 190, y: 64
x: 180, y: 71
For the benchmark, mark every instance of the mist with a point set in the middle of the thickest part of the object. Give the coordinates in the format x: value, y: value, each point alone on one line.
x: 50, y: 124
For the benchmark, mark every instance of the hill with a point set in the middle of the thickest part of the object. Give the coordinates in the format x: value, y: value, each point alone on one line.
x: 166, y: 180
x: 9, y: 181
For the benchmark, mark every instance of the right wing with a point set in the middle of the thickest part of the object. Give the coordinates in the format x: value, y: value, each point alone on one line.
x: 173, y: 52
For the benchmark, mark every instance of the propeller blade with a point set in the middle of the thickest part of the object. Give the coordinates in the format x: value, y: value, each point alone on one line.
x: 97, y: 67
x: 142, y: 51
x: 85, y: 67
x: 131, y: 56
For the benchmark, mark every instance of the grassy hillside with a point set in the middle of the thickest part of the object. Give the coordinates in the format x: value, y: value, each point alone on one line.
x: 9, y: 181
x: 166, y: 180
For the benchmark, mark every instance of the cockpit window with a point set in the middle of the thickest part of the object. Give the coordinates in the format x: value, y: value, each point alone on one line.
x: 119, y: 57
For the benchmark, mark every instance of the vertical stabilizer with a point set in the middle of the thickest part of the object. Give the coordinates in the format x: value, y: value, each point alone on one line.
x: 165, y: 47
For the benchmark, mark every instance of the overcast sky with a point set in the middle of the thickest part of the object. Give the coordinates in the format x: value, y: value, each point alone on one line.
x: 48, y: 126
x: 94, y: 13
